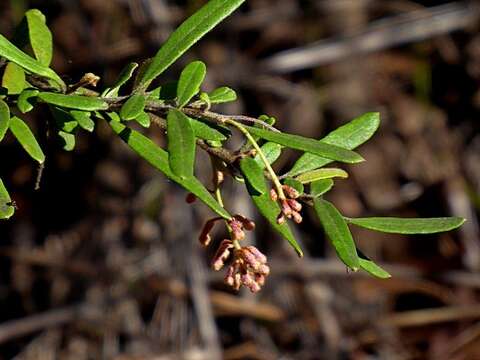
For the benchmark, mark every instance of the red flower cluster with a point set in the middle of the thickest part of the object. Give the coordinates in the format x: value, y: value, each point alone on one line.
x: 290, y: 206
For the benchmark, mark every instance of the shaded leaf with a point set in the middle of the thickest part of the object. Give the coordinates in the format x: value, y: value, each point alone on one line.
x: 409, y: 226
x: 370, y: 267
x: 64, y: 120
x: 253, y: 174
x: 181, y: 144
x: 348, y: 136
x: 321, y: 174
x: 309, y: 145
x: 125, y: 75
x: 206, y: 132
x: 187, y: 34
x: 320, y: 187
x: 76, y: 102
x: 222, y: 95
x: 14, y: 79
x: 133, y: 107
x: 337, y: 231
x: 40, y: 36
x: 68, y: 140
x: 189, y: 83
x: 26, y: 138
x: 25, y: 102
x: 6, y: 209
x: 84, y: 119
x: 14, y: 54
x: 4, y: 118
x: 158, y: 158
x: 272, y: 152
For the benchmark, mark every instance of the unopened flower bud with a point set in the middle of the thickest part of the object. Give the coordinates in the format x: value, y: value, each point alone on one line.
x: 237, y: 229
x: 295, y: 205
x: 263, y: 270
x: 280, y: 219
x: 205, y: 237
x: 257, y: 253
x: 286, y: 209
x: 290, y: 192
x: 190, y: 198
x: 247, y: 223
x: 222, y: 254
x: 297, y: 217
x: 249, y: 258
x: 273, y: 195
x: 260, y: 279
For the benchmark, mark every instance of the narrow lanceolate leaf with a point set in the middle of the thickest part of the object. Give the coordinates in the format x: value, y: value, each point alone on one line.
x: 348, y: 136
x: 26, y: 100
x: 84, y: 119
x: 409, y: 226
x: 181, y: 144
x: 309, y: 145
x: 272, y: 152
x: 76, y: 102
x: 64, y: 120
x: 158, y: 158
x: 68, y: 140
x: 6, y: 209
x: 253, y: 174
x: 4, y: 118
x: 337, y: 231
x: 124, y: 76
x: 14, y: 79
x: 206, y: 132
x: 222, y: 95
x: 26, y: 138
x: 370, y: 267
x: 133, y: 107
x: 270, y: 210
x: 14, y: 54
x: 320, y: 187
x: 187, y: 34
x: 40, y: 36
x: 321, y: 174
x: 189, y: 83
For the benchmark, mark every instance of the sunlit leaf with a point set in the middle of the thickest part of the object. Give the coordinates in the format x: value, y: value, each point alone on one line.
x: 348, y: 136
x: 143, y: 119
x: 187, y: 34
x: 40, y: 36
x: 189, y: 83
x: 337, y: 231
x: 369, y: 266
x: 68, y: 140
x: 4, y: 118
x: 26, y: 138
x: 26, y: 100
x: 253, y: 174
x: 181, y: 144
x: 133, y: 107
x: 206, y: 132
x: 222, y: 95
x: 409, y: 226
x: 320, y: 187
x: 84, y: 119
x: 6, y: 209
x: 76, y: 102
x: 158, y: 158
x: 14, y: 79
x: 309, y: 145
x: 321, y: 174
x: 272, y: 152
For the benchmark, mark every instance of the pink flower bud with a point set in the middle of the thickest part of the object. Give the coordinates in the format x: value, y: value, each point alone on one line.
x: 290, y: 192
x: 280, y: 219
x: 247, y: 223
x: 258, y: 255
x: 237, y: 229
x: 295, y: 205
x: 222, y: 254
x: 297, y: 217
x: 204, y: 237
x: 273, y: 195
x: 260, y: 279
x: 286, y: 209
x: 263, y: 270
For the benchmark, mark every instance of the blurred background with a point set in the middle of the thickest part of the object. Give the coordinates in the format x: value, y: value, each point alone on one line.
x: 103, y: 261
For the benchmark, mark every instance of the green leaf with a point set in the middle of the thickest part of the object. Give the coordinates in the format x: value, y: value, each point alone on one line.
x: 68, y: 140
x: 64, y: 120
x: 26, y: 138
x: 321, y: 174
x: 272, y: 152
x: 253, y: 174
x: 14, y: 54
x: 369, y: 266
x: 76, y: 102
x: 206, y: 132
x: 133, y: 107
x: 181, y: 144
x: 143, y: 119
x: 309, y: 145
x: 23, y: 102
x: 84, y: 119
x: 409, y: 226
x: 189, y: 83
x: 320, y: 187
x: 40, y: 36
x: 158, y: 158
x: 6, y: 209
x: 187, y: 34
x: 4, y: 118
x: 14, y: 79
x: 222, y: 95
x: 337, y: 231
x: 297, y: 185
x: 125, y: 75
x: 348, y: 136
x: 270, y: 210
